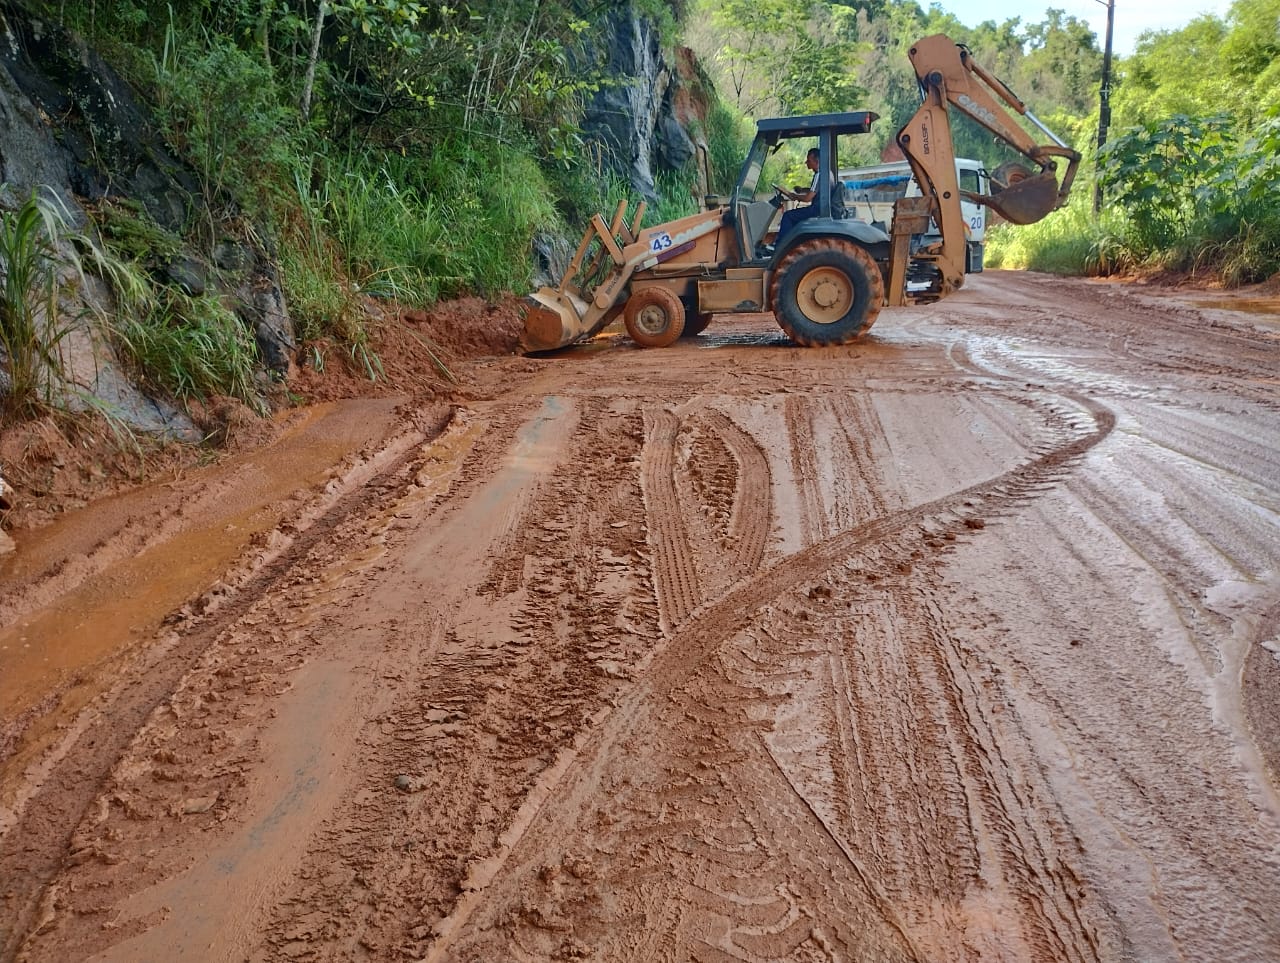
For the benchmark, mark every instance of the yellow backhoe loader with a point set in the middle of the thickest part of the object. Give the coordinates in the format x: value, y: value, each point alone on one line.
x: 825, y: 280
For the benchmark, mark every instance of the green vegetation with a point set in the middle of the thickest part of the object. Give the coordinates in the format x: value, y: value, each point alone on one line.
x: 1175, y: 199
x: 412, y: 151
x: 1070, y: 241
x: 190, y: 348
x: 1191, y: 172
x: 187, y: 347
x: 1197, y: 197
x: 1188, y: 194
x: 30, y: 327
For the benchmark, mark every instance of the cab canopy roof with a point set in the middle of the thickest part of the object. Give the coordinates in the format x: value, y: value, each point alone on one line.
x: 775, y: 129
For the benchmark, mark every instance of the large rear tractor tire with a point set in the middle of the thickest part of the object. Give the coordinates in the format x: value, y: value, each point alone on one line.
x: 826, y: 292
x: 654, y: 317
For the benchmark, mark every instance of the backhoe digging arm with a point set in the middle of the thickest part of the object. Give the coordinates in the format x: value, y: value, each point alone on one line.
x: 950, y: 77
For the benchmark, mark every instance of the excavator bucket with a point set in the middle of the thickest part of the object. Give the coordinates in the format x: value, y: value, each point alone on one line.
x: 1026, y: 200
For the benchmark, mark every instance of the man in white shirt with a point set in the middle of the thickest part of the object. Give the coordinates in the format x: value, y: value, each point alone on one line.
x: 809, y: 195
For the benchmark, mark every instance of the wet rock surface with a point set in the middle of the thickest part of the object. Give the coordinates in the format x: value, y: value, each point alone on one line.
x: 73, y: 132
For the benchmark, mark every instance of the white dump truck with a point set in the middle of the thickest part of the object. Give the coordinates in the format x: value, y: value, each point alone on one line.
x: 870, y: 193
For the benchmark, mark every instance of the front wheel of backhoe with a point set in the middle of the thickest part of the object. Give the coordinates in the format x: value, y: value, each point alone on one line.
x: 826, y: 292
x: 654, y: 317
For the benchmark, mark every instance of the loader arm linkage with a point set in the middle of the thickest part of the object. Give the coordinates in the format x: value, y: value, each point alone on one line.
x: 950, y: 77
x: 598, y: 271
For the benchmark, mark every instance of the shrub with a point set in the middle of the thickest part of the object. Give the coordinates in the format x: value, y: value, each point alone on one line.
x: 218, y: 107
x: 1198, y: 199
x: 1069, y: 241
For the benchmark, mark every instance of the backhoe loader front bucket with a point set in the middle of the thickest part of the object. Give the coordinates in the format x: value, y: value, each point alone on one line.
x: 552, y: 320
x: 1026, y: 200
x: 589, y: 295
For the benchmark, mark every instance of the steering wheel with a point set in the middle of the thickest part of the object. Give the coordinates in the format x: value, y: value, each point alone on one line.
x: 780, y: 195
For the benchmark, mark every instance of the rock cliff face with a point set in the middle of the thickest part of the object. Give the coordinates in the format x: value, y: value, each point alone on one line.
x: 73, y: 130
x: 632, y: 120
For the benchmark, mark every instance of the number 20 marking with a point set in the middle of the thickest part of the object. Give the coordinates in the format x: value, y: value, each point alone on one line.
x: 660, y: 242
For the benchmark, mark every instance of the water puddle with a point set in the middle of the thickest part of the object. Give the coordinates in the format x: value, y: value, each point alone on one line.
x: 65, y: 645
x: 1269, y: 308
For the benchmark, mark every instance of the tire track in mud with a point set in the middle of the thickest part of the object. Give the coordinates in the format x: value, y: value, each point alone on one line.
x: 1242, y: 361
x: 644, y: 726
x: 749, y: 515
x: 485, y: 712
x: 38, y: 846
x: 858, y: 422
x: 830, y: 463
x: 674, y: 569
x: 1261, y: 678
x: 1162, y: 780
x: 804, y: 468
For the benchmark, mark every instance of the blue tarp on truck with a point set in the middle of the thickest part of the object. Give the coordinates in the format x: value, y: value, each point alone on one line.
x: 891, y: 181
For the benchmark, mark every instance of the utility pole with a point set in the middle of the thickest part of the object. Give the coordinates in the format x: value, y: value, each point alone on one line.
x: 1104, y: 106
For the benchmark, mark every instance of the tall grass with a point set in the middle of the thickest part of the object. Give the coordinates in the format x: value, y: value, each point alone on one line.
x: 408, y: 228
x: 416, y: 229
x: 677, y: 196
x: 220, y: 107
x: 30, y: 328
x: 190, y: 347
x: 728, y: 136
x: 1070, y: 241
x: 1238, y: 246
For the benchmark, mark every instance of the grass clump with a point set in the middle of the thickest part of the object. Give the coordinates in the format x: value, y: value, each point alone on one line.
x: 1070, y: 242
x: 30, y: 329
x: 190, y: 347
x: 415, y: 229
x: 132, y: 234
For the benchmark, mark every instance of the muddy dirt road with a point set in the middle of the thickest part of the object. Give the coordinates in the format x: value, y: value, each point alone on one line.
x: 961, y: 643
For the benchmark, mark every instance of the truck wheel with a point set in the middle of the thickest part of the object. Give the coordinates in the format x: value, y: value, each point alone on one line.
x: 654, y: 317
x: 826, y: 292
x: 695, y: 321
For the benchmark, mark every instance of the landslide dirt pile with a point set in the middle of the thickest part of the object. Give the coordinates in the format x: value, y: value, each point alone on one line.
x: 59, y: 463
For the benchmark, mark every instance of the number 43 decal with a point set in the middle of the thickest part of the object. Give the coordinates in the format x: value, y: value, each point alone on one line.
x: 660, y: 242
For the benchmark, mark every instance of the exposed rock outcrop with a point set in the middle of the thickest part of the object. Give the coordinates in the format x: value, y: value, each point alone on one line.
x: 632, y: 119
x: 72, y: 130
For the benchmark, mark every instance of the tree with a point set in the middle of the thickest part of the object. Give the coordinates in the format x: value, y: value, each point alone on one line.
x: 1250, y: 54
x: 1165, y: 171
x: 1063, y: 63
x: 1174, y: 72
x: 786, y: 56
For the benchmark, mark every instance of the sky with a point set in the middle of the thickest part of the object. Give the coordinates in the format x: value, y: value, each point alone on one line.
x: 1132, y: 16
